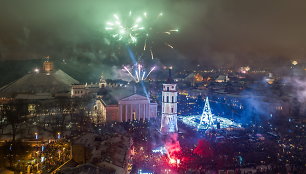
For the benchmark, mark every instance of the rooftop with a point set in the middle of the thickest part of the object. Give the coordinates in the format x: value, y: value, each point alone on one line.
x: 105, y: 148
x: 39, y: 85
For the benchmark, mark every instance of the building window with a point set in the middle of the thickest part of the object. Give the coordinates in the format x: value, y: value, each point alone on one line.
x: 172, y: 99
x: 167, y: 88
x: 167, y: 99
x: 163, y: 98
x: 171, y: 110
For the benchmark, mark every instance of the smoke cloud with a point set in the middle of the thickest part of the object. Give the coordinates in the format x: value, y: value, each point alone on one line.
x: 214, y: 33
x: 298, y: 87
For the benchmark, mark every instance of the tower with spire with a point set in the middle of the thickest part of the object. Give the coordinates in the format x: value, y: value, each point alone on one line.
x: 47, y: 65
x: 102, y: 82
x: 169, y: 106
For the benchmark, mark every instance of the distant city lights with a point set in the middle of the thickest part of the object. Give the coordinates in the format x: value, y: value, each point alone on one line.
x: 36, y: 70
x: 141, y: 172
x: 245, y: 69
x: 294, y: 62
x: 161, y: 150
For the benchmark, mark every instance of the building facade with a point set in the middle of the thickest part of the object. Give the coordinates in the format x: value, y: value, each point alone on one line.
x: 169, y: 106
x: 113, y: 157
x: 133, y: 107
x: 136, y: 107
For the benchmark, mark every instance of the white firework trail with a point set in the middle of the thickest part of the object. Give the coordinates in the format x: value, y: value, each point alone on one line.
x: 129, y: 72
x: 139, y: 72
x: 152, y: 56
x: 152, y: 69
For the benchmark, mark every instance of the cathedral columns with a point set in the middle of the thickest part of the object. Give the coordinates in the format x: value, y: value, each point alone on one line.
x: 120, y: 113
x: 126, y: 112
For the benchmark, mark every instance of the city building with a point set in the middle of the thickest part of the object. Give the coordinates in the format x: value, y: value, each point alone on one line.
x: 102, y: 82
x: 113, y: 104
x: 169, y: 106
x: 47, y: 83
x: 270, y: 79
x: 84, y: 90
x: 104, y: 153
x: 222, y: 78
x: 136, y: 107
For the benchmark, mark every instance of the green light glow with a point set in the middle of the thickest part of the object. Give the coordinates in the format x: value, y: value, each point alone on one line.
x: 139, y: 28
x: 127, y: 28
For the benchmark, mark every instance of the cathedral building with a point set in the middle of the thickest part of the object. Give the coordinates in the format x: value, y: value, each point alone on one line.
x: 136, y: 107
x: 122, y: 104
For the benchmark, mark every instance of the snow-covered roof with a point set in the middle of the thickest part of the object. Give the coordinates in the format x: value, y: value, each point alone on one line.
x: 105, y: 148
x: 33, y: 84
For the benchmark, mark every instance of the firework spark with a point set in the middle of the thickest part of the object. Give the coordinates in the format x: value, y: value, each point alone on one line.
x: 126, y: 29
x: 140, y: 73
x: 140, y: 30
x: 170, y: 46
x: 152, y: 56
x: 156, y: 36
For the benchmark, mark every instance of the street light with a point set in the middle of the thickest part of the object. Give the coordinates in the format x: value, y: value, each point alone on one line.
x: 36, y: 135
x: 58, y: 135
x: 167, y: 170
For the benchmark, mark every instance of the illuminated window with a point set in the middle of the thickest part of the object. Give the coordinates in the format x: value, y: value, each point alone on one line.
x: 134, y: 115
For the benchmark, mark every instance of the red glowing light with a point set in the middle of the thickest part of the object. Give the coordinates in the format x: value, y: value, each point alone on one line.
x: 203, y: 149
x: 173, y: 150
x: 172, y: 161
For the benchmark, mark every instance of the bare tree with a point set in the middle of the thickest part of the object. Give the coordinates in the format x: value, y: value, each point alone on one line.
x: 15, y: 113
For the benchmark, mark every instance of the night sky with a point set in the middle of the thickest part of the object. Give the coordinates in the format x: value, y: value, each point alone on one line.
x: 212, y: 33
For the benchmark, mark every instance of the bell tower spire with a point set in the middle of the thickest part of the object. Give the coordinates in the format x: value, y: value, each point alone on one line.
x: 169, y: 106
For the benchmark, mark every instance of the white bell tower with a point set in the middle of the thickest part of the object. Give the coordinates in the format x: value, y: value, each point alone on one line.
x: 169, y: 106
